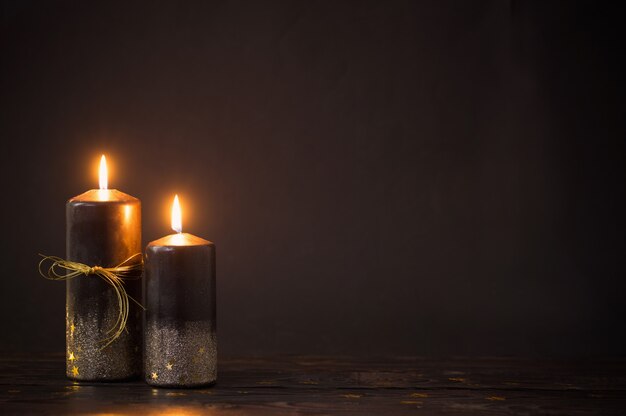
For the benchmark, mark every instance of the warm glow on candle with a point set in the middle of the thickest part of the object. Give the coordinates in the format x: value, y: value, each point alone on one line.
x: 104, y: 180
x: 127, y: 213
x: 177, y: 223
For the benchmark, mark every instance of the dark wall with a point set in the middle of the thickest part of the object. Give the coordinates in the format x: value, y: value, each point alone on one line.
x: 379, y: 177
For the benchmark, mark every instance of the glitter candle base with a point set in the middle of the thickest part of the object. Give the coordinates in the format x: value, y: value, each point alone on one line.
x: 184, y: 355
x: 86, y: 360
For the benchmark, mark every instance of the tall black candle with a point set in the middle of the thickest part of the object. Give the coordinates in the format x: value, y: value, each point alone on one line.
x: 103, y: 229
x: 179, y: 295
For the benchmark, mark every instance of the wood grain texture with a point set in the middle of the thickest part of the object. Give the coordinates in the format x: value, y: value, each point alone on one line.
x: 332, y: 385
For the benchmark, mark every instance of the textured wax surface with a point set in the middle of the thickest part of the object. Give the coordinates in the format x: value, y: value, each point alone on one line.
x: 85, y: 333
x: 180, y: 355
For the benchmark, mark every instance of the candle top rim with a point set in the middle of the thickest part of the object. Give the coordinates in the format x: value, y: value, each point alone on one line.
x: 95, y: 195
x: 179, y: 240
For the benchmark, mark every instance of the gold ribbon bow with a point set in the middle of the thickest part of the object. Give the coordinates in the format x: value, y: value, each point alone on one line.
x: 61, y: 269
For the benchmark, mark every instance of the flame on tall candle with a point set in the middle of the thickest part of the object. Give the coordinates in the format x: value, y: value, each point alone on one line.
x: 104, y: 180
x: 177, y: 223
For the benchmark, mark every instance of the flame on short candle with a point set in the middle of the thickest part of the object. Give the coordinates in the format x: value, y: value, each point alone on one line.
x: 104, y: 180
x: 177, y: 224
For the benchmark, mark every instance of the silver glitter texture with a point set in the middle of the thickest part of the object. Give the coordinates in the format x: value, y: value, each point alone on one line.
x: 184, y: 355
x: 86, y: 359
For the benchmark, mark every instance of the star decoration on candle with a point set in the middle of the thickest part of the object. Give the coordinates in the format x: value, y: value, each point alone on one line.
x: 74, y: 371
x: 201, y: 350
x: 71, y: 357
x: 72, y: 329
x: 154, y: 376
x: 169, y: 366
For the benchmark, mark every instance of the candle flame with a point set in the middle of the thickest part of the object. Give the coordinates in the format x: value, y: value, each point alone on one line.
x: 177, y: 223
x: 104, y: 180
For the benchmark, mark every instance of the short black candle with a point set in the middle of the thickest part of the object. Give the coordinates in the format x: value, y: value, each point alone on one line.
x: 180, y: 334
x: 103, y: 229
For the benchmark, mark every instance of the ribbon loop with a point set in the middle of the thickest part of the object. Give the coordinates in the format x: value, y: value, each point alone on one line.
x: 61, y: 269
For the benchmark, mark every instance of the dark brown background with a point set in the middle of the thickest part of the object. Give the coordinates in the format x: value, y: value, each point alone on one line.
x: 379, y: 177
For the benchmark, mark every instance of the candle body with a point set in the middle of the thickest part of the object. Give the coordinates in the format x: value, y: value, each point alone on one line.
x: 103, y: 229
x: 180, y: 327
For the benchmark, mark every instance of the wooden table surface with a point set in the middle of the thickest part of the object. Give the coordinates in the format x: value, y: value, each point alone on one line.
x: 332, y: 385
